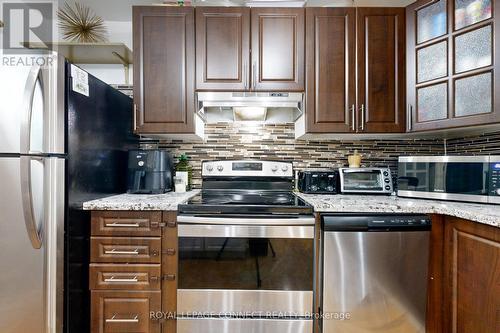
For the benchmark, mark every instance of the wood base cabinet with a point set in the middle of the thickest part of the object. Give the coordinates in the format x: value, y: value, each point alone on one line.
x: 133, y: 272
x: 345, y: 95
x: 464, y: 277
x: 124, y: 311
x: 472, y: 277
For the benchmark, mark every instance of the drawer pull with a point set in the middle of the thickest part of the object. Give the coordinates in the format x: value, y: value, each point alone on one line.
x: 113, y: 279
x: 123, y: 225
x: 123, y: 320
x: 172, y: 224
x: 115, y: 251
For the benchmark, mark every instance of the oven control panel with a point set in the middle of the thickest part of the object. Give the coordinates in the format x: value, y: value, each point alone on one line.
x: 249, y: 168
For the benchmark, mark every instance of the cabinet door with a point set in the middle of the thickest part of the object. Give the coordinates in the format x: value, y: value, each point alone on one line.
x: 277, y: 49
x: 164, y: 69
x: 381, y: 70
x: 330, y: 70
x: 222, y: 48
x: 451, y: 59
x: 125, y: 311
x: 472, y: 268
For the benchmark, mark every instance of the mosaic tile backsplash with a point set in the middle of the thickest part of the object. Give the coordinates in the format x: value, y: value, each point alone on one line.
x: 277, y: 142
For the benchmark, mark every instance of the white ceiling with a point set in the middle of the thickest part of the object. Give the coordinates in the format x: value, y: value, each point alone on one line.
x: 120, y: 10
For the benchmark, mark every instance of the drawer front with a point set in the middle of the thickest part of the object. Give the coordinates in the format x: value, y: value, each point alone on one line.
x: 124, y: 312
x: 125, y: 250
x: 115, y: 223
x: 125, y: 277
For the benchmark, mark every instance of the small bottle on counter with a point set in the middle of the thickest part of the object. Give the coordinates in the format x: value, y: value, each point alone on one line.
x: 183, y: 174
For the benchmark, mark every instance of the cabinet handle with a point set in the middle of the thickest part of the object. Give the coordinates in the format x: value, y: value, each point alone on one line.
x: 410, y: 117
x: 169, y: 277
x: 135, y: 117
x: 245, y: 75
x: 122, y: 225
x: 172, y: 224
x: 155, y: 253
x: 115, y: 251
x: 115, y: 280
x: 362, y: 117
x: 113, y: 319
x: 254, y: 74
x: 353, y: 111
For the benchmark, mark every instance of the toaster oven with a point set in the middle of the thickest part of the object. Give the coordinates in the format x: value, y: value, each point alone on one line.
x: 366, y: 180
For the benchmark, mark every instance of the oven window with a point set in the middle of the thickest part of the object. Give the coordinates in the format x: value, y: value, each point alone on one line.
x: 363, y: 181
x: 245, y: 263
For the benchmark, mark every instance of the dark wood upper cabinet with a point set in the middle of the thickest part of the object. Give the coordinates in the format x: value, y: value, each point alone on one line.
x: 164, y: 69
x: 222, y: 48
x: 451, y: 76
x: 330, y: 70
x: 381, y: 69
x: 277, y: 49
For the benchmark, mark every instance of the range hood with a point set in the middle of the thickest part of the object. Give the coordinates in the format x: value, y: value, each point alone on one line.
x: 269, y: 107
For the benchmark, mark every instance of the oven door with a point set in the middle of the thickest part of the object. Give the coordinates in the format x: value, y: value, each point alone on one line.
x: 250, y: 271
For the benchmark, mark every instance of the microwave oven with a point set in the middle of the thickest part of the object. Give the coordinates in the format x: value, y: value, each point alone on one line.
x: 366, y: 180
x: 456, y: 178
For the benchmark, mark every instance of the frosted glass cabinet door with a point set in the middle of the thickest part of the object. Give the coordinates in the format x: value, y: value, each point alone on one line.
x: 473, y: 95
x: 431, y: 21
x: 473, y: 49
x: 432, y: 102
x: 468, y: 12
x: 432, y: 62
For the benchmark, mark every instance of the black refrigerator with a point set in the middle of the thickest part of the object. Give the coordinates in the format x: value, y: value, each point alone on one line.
x: 64, y: 136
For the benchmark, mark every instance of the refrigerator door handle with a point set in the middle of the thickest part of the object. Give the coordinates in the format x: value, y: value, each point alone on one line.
x: 29, y: 93
x: 34, y: 232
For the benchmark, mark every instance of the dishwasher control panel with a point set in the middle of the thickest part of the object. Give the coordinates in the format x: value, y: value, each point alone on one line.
x: 351, y: 222
x: 387, y: 221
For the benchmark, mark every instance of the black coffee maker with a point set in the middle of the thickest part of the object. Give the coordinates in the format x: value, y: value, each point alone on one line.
x: 149, y: 171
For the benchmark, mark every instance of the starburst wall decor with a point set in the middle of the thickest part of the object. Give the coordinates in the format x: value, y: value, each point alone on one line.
x: 81, y: 24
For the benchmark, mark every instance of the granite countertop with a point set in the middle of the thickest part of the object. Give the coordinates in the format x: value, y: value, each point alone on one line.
x: 166, y: 201
x: 483, y: 213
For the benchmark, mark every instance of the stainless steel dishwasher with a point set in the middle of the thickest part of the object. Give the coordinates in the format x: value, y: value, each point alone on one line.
x: 374, y: 272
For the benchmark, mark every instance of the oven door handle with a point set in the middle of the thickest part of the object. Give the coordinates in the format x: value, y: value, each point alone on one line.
x: 189, y: 219
x: 365, y: 170
x: 245, y: 231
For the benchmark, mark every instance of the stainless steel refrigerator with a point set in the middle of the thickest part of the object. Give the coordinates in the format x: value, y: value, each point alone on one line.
x: 63, y: 140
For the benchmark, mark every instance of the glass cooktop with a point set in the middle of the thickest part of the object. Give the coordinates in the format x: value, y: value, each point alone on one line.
x: 241, y: 202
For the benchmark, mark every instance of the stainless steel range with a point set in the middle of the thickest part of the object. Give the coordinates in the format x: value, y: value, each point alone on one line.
x: 246, y: 252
